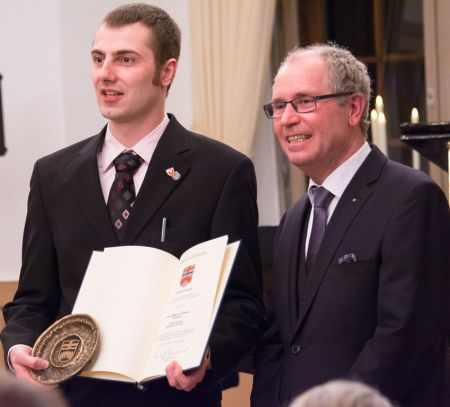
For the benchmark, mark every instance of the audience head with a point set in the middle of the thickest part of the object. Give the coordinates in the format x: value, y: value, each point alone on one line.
x: 341, y: 393
x: 18, y: 393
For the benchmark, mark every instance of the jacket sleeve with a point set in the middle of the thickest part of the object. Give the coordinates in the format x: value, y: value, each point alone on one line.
x: 268, y: 356
x: 413, y: 294
x: 36, y: 301
x: 241, y: 315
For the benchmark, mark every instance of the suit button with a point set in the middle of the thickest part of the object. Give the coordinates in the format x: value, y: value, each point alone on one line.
x: 295, y: 349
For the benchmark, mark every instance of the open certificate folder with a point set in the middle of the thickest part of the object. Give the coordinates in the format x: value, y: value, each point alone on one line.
x: 152, y: 308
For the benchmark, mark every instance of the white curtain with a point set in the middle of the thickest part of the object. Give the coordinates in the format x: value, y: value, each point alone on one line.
x: 230, y: 62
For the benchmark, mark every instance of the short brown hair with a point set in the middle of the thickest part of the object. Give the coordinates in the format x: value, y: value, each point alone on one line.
x: 166, y: 39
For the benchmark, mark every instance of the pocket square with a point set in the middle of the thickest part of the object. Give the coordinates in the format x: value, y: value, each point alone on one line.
x: 348, y: 258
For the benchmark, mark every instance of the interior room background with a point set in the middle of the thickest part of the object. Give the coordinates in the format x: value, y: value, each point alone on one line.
x: 47, y: 101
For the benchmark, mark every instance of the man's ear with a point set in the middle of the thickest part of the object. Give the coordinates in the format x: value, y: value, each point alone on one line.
x: 167, y: 73
x: 357, y: 104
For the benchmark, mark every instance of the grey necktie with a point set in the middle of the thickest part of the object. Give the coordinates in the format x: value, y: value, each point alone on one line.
x: 321, y: 198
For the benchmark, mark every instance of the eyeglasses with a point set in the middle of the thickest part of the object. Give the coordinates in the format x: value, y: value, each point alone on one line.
x: 304, y: 104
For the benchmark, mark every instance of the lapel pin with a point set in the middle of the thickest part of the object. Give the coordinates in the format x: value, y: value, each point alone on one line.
x: 172, y: 173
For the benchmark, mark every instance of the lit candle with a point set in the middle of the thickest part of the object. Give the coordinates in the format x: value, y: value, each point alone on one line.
x: 381, y: 133
x: 415, y: 154
x: 379, y: 104
x: 414, y: 115
x: 374, y: 125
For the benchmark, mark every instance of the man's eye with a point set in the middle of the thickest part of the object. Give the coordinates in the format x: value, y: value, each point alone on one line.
x: 303, y: 101
x: 97, y: 59
x: 127, y: 60
x: 278, y: 105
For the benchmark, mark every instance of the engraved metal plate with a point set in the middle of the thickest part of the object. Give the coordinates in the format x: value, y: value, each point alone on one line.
x: 68, y: 345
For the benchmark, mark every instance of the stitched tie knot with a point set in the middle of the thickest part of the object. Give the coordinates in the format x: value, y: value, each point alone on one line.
x: 128, y: 161
x: 321, y: 197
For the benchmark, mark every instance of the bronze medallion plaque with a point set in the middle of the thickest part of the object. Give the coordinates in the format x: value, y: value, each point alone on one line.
x: 68, y: 345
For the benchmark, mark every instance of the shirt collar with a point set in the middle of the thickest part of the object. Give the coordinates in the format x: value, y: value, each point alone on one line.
x: 145, y: 147
x: 339, y: 179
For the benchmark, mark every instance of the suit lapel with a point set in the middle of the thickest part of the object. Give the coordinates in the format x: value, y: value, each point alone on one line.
x: 84, y: 182
x: 287, y: 257
x: 158, y: 185
x: 351, y: 202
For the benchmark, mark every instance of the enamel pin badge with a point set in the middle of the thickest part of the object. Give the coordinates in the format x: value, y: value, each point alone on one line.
x: 172, y: 173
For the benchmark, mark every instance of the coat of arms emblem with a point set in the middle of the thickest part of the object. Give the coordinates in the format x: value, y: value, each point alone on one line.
x: 186, y: 276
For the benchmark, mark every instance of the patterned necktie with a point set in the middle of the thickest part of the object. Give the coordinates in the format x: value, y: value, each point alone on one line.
x: 322, y: 199
x: 122, y: 193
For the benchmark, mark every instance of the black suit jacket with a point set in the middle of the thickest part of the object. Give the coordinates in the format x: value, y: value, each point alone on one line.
x: 67, y: 219
x: 376, y: 306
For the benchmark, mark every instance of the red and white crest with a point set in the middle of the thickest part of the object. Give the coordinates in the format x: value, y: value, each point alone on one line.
x: 186, y: 276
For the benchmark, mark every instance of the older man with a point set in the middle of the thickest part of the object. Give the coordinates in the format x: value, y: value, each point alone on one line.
x: 361, y: 262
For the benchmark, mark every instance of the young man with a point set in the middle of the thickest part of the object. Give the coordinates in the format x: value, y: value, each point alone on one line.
x: 200, y: 188
x: 361, y: 281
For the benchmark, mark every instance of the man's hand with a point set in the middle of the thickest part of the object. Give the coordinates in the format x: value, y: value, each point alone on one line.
x: 188, y: 381
x: 21, y: 362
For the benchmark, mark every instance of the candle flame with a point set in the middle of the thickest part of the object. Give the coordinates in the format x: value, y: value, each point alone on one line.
x: 373, y: 114
x: 379, y: 104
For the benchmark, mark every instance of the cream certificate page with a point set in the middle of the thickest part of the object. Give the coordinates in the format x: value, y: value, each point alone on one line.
x: 125, y: 297
x: 151, y: 307
x: 183, y: 332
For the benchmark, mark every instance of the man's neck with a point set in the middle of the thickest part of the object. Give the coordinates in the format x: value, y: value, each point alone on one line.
x: 130, y: 134
x: 319, y: 171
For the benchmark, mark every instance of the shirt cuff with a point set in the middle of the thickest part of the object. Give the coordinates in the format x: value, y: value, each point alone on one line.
x: 8, y: 360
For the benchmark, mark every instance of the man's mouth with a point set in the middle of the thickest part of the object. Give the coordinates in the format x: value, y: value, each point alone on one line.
x: 298, y: 138
x: 111, y: 93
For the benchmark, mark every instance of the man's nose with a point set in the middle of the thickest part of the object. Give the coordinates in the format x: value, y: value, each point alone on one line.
x: 107, y: 71
x: 290, y: 115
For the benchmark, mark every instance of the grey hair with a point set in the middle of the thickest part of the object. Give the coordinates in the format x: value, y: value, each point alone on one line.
x: 341, y: 393
x: 346, y: 73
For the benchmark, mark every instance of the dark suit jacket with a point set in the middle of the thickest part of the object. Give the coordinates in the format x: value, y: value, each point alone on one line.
x: 383, y: 318
x: 67, y: 219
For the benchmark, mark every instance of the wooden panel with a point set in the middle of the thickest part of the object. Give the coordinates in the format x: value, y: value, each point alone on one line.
x: 239, y: 396
x: 7, y: 290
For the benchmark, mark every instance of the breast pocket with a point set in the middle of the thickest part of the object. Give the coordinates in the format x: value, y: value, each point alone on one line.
x: 360, y: 266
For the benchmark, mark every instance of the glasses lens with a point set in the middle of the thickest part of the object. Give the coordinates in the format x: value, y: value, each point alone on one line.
x: 268, y: 109
x: 304, y: 105
x: 270, y: 113
x: 278, y: 109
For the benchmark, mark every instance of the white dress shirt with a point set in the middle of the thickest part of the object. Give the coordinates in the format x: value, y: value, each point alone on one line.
x: 112, y: 148
x: 337, y: 182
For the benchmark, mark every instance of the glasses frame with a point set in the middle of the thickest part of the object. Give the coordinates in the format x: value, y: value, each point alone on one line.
x: 315, y: 99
